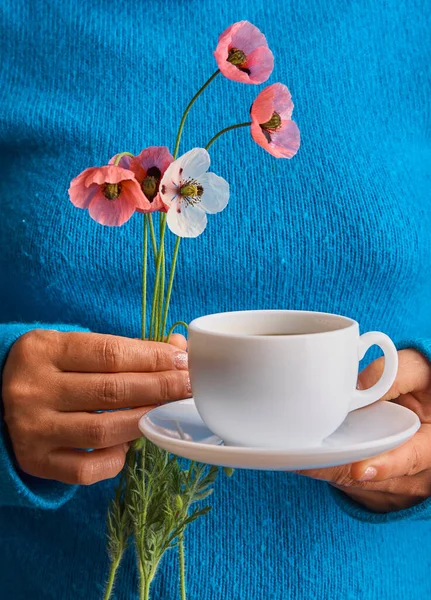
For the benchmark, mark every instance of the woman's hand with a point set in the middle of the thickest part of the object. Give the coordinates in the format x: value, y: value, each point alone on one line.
x: 52, y: 383
x: 402, y: 477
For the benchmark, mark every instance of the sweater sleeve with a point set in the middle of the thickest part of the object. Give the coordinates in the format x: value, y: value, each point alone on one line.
x: 421, y: 511
x: 16, y: 487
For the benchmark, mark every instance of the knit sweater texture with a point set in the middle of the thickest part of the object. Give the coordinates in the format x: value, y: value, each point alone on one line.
x: 344, y: 227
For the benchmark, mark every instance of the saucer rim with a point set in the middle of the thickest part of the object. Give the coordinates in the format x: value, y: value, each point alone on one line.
x: 231, y: 450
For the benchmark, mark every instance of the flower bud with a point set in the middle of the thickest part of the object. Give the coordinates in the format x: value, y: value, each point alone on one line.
x: 178, y: 502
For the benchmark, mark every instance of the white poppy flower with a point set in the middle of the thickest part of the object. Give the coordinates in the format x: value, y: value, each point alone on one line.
x: 189, y: 193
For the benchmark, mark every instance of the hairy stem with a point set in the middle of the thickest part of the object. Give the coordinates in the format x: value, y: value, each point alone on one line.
x: 113, y: 571
x: 186, y: 112
x: 144, y: 587
x: 181, y: 551
x: 226, y: 129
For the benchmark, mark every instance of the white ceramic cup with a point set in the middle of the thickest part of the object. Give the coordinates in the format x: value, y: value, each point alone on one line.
x: 281, y: 378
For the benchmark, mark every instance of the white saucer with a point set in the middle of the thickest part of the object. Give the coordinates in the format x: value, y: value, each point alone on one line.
x: 178, y: 428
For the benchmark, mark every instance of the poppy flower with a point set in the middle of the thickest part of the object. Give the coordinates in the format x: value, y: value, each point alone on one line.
x: 272, y: 127
x: 190, y: 193
x: 110, y: 193
x: 149, y: 167
x: 242, y: 54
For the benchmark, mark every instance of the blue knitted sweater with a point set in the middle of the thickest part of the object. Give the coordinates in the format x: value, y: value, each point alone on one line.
x: 344, y: 227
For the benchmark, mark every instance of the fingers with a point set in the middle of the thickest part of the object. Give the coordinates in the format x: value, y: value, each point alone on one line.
x: 98, y: 430
x: 111, y: 391
x: 414, y: 374
x: 83, y: 468
x: 411, y: 458
x: 96, y: 353
x: 179, y: 341
x: 339, y: 475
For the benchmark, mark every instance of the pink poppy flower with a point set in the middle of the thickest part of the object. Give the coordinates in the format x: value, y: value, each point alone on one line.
x: 110, y: 193
x: 242, y: 54
x: 149, y: 167
x: 272, y: 127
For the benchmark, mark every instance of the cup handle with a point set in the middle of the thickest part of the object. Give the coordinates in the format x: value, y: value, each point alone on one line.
x: 365, y: 397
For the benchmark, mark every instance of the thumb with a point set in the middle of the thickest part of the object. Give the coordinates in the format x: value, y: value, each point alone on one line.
x: 411, y: 458
x: 414, y: 374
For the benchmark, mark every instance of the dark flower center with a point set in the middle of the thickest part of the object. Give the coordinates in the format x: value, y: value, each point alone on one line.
x: 111, y: 191
x: 238, y: 58
x: 270, y: 126
x: 150, y: 185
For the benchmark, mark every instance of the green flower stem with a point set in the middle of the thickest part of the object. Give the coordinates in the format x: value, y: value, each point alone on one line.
x: 120, y: 156
x: 186, y: 112
x: 153, y: 235
x: 154, y: 309
x: 111, y: 579
x: 182, y: 568
x: 170, y: 284
x: 161, y: 330
x: 144, y: 277
x: 217, y: 135
x: 145, y: 589
x: 168, y: 337
x: 161, y: 295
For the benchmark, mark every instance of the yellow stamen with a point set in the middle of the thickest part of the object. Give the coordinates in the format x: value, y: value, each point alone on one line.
x: 236, y: 57
x: 149, y: 187
x: 111, y: 191
x: 273, y: 124
x: 190, y: 190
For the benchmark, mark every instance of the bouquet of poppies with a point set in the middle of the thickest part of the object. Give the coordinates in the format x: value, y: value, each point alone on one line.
x: 155, y: 494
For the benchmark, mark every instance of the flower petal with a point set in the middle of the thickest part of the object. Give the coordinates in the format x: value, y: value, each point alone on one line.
x: 81, y: 195
x: 108, y: 174
x: 216, y: 193
x: 186, y: 220
x: 262, y: 108
x: 260, y: 63
x: 194, y: 163
x: 233, y: 73
x: 132, y: 190
x: 190, y: 165
x: 153, y: 156
x: 157, y: 205
x: 258, y: 135
x: 283, y: 104
x: 286, y: 140
x: 111, y: 212
x: 246, y: 37
x: 274, y: 98
x: 168, y: 193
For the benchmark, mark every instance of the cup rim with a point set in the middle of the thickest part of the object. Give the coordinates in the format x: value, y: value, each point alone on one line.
x: 198, y: 324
